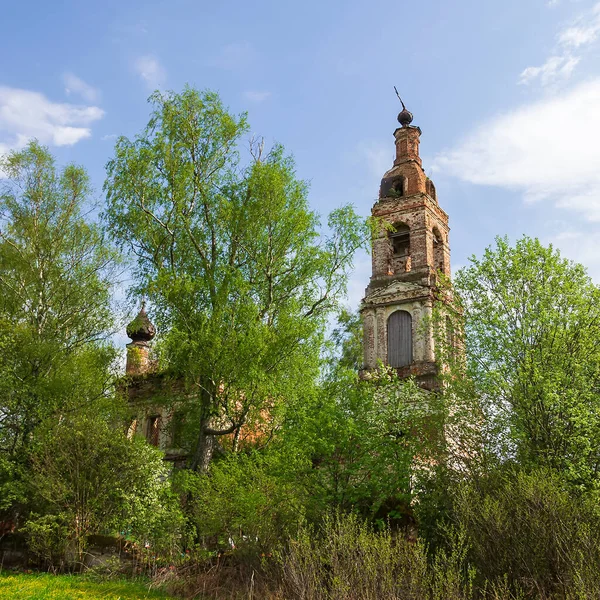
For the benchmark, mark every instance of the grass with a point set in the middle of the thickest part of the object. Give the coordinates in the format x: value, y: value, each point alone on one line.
x: 42, y: 586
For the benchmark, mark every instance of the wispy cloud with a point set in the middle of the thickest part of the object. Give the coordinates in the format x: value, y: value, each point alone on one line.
x: 150, y: 70
x: 234, y: 56
x: 25, y: 114
x: 257, y: 96
x: 554, y: 69
x: 547, y: 150
x: 109, y: 136
x: 582, y: 32
x: 76, y: 85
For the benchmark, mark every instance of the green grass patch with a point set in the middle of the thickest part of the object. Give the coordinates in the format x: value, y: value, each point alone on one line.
x: 43, y: 586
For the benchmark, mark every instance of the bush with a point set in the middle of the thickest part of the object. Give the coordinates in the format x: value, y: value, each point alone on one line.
x: 528, y: 530
x: 347, y: 560
x: 245, y: 503
x: 88, y: 478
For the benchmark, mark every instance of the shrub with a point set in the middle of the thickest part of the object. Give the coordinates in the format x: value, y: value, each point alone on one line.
x: 347, y: 560
x: 528, y: 530
x: 88, y: 478
x: 245, y: 502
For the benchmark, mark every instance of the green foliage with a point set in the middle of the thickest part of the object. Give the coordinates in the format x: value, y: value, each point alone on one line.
x: 347, y: 560
x: 531, y: 321
x: 530, y: 532
x: 55, y: 284
x: 248, y: 500
x: 347, y: 341
x: 88, y: 478
x: 367, y: 441
x: 231, y: 258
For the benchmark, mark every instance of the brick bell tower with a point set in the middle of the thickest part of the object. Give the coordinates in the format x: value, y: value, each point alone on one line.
x: 409, y: 249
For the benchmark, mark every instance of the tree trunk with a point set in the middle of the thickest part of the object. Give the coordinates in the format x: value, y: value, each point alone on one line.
x: 204, y: 448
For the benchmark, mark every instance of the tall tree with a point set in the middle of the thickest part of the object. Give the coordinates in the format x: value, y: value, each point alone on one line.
x: 231, y: 257
x: 532, y: 331
x: 55, y: 282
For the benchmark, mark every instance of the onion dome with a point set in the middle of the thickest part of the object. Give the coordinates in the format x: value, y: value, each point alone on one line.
x: 405, y: 117
x: 141, y: 328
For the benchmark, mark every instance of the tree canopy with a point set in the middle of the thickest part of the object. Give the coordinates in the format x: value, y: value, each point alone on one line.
x: 56, y: 276
x: 239, y: 274
x: 531, y: 331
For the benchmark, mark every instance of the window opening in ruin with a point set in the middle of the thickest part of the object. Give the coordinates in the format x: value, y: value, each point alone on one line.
x: 399, y: 339
x: 430, y: 188
x: 400, y: 239
x: 398, y: 187
x: 153, y: 430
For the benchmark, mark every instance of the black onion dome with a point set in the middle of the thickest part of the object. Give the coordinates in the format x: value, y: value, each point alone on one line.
x: 141, y: 328
x: 405, y: 117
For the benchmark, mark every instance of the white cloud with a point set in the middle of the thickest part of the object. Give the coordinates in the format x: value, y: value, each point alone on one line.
x: 257, y: 96
x: 109, y: 136
x: 584, y: 30
x: 547, y: 150
x: 555, y: 68
x: 25, y: 114
x: 76, y: 85
x: 559, y: 67
x: 150, y: 70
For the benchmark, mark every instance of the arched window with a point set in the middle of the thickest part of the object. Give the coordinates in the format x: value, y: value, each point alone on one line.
x: 400, y: 239
x: 430, y: 188
x: 153, y: 430
x: 398, y: 187
x: 399, y: 339
x: 393, y: 187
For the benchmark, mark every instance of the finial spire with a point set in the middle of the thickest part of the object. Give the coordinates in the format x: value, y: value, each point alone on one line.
x: 405, y: 117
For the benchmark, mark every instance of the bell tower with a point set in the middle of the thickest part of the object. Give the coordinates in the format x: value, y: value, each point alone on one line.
x: 409, y: 251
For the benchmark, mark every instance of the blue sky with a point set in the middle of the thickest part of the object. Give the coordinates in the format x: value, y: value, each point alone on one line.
x: 507, y: 94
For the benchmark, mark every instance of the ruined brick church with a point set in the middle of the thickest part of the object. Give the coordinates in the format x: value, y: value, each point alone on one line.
x: 410, y: 250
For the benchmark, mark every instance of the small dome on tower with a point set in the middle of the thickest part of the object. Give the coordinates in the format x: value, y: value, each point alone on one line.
x: 141, y: 328
x: 405, y: 117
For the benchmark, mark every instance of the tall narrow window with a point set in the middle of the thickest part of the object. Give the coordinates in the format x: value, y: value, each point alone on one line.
x: 400, y: 239
x: 153, y: 430
x: 399, y: 338
x: 438, y: 250
x: 430, y: 188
